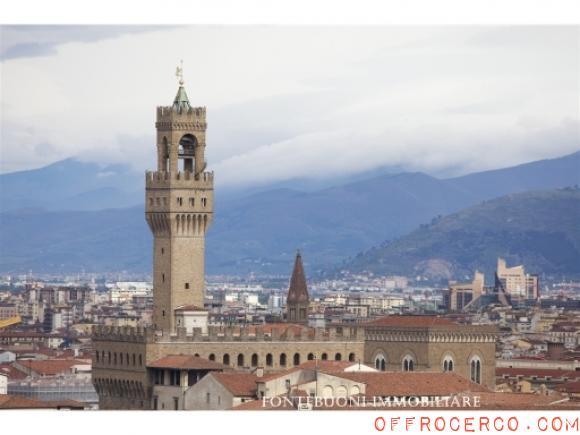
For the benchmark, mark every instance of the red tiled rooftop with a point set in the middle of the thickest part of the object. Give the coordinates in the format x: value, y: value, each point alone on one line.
x: 412, y: 321
x: 11, y: 372
x: 570, y: 387
x: 239, y: 384
x: 190, y: 308
x: 412, y: 383
x: 9, y: 401
x: 51, y: 366
x: 186, y: 362
x: 541, y: 373
x: 323, y: 365
x: 524, y: 401
x: 327, y: 365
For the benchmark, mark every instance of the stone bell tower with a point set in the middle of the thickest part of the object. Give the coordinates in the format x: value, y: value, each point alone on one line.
x: 298, y: 301
x: 179, y: 209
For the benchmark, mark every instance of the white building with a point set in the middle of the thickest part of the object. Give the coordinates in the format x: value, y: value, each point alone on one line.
x: 123, y: 291
x: 3, y: 383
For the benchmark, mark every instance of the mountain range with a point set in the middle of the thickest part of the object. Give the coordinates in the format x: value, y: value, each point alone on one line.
x: 72, y: 216
x: 540, y: 230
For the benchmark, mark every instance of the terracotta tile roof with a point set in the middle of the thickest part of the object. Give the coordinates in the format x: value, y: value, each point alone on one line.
x: 332, y: 366
x: 239, y: 384
x: 411, y: 383
x: 569, y: 387
x: 9, y: 401
x: 541, y: 373
x: 523, y: 401
x: 327, y: 365
x: 412, y: 321
x: 277, y: 374
x: 50, y: 367
x: 13, y: 373
x: 186, y: 362
x: 190, y: 308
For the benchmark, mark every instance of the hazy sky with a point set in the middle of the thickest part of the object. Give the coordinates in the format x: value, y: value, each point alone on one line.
x: 286, y: 102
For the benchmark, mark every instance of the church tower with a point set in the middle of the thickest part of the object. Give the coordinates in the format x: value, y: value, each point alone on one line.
x: 298, y: 300
x: 179, y: 209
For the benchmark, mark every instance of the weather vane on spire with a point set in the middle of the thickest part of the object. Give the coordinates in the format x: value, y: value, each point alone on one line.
x: 179, y: 73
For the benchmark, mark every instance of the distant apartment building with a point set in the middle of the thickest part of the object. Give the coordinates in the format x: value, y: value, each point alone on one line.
x: 126, y: 291
x: 3, y: 384
x: 460, y: 295
x: 58, y: 318
x: 512, y: 285
x: 396, y: 282
x: 7, y: 311
x: 515, y: 282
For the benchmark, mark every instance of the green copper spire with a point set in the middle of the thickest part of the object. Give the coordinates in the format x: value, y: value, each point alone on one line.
x: 181, y: 102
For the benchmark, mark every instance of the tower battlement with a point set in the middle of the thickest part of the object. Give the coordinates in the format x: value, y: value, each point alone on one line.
x: 181, y: 179
x: 170, y: 119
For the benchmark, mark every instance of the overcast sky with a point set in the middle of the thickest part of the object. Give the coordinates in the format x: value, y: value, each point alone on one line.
x: 287, y: 102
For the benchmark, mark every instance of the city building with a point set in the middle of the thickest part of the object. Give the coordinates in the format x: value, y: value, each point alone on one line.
x: 460, y: 295
x: 515, y: 282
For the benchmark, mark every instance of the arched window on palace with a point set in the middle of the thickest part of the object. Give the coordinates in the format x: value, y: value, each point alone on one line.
x: 475, y: 370
x: 380, y: 362
x: 448, y: 364
x: 296, y: 359
x: 408, y: 364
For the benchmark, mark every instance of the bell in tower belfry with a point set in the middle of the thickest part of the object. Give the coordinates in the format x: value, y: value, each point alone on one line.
x: 179, y: 209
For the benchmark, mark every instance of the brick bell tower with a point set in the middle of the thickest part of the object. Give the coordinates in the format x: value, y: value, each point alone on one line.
x: 179, y: 209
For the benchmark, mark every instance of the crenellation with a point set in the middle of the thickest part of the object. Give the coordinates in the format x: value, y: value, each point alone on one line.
x: 180, y: 179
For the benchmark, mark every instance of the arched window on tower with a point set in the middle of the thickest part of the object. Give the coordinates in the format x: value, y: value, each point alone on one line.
x: 164, y: 157
x: 282, y: 360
